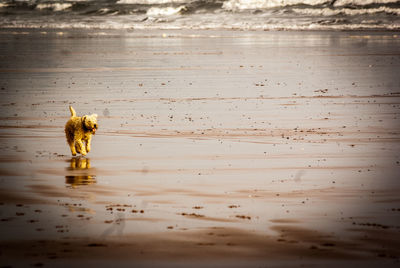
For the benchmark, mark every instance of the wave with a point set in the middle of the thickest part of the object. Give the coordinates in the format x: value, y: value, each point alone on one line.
x: 345, y: 11
x: 199, y: 24
x: 54, y: 6
x: 166, y: 11
x: 202, y: 14
x: 339, y: 3
x: 263, y: 4
x: 266, y: 4
x: 127, y: 6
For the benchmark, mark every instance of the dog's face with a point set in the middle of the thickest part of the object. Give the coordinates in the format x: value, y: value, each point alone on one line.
x: 90, y: 123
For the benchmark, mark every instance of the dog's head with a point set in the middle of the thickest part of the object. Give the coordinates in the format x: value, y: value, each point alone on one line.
x: 90, y: 123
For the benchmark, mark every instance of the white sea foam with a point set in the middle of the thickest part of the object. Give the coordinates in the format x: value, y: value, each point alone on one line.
x: 257, y: 4
x: 164, y: 11
x: 103, y: 10
x: 54, y: 6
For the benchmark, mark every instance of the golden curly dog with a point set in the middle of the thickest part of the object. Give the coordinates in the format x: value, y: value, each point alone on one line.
x: 79, y: 130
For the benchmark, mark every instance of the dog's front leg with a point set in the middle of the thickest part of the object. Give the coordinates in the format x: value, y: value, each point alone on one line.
x: 81, y: 147
x: 88, y: 144
x: 72, y: 147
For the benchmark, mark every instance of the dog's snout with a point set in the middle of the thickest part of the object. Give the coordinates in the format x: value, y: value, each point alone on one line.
x: 95, y: 126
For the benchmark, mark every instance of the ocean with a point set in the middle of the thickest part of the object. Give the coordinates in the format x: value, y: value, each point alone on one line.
x: 202, y: 14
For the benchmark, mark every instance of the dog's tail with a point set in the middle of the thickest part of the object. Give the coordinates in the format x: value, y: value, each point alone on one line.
x: 73, y: 113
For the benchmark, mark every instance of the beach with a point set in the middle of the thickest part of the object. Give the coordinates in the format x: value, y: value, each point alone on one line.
x: 215, y: 148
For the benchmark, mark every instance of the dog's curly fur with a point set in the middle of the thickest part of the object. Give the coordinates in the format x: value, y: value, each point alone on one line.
x: 79, y: 130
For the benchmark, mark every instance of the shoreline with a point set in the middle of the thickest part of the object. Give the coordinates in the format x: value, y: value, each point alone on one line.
x: 197, y: 31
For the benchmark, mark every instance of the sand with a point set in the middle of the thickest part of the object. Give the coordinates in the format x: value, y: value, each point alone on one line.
x: 215, y: 148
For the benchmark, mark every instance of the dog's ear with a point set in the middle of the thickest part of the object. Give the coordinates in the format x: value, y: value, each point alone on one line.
x: 84, y: 118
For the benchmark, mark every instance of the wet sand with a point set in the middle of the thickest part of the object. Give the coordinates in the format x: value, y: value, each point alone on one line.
x: 215, y: 148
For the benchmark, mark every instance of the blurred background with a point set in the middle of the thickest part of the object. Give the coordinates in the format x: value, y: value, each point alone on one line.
x: 202, y: 14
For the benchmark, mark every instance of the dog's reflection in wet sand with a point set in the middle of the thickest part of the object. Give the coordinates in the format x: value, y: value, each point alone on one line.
x: 79, y: 170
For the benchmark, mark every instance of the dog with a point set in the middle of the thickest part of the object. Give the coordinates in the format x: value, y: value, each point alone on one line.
x: 79, y: 130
